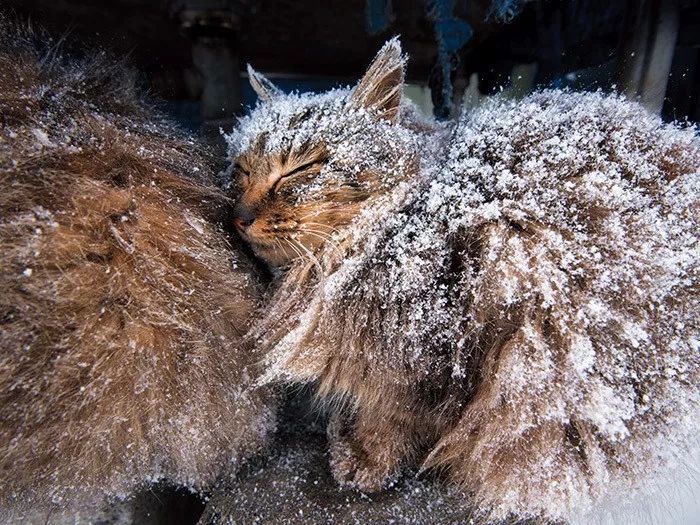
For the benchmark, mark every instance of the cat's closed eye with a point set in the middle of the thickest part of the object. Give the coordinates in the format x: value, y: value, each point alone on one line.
x: 310, y: 169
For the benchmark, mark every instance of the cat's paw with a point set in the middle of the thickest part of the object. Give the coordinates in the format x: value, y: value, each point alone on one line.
x: 360, y: 473
x: 353, y: 467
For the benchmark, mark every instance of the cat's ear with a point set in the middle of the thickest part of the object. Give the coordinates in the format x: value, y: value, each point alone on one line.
x: 380, y: 88
x: 265, y: 89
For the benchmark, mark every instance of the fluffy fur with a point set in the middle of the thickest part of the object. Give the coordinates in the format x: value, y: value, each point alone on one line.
x: 122, y: 305
x: 512, y: 298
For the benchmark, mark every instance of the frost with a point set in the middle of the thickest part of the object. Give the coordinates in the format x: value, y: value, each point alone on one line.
x: 354, y: 140
x: 42, y: 138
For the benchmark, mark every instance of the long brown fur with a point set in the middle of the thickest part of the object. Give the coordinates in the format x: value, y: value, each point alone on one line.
x: 531, y: 335
x: 123, y: 305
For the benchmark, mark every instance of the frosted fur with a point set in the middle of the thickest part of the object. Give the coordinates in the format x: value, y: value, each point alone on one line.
x: 519, y: 309
x: 355, y: 142
x: 264, y: 88
x: 123, y: 304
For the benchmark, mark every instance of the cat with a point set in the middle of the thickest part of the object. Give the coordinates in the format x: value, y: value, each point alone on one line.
x: 123, y: 303
x: 510, y: 298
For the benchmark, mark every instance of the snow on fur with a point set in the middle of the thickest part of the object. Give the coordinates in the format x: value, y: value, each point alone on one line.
x: 529, y: 296
x: 123, y: 305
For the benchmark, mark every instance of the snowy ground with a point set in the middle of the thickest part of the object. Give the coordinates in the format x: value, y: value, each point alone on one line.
x: 674, y: 502
x: 295, y: 487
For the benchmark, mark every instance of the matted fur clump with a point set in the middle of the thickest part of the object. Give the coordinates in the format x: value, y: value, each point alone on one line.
x: 515, y: 302
x: 122, y: 305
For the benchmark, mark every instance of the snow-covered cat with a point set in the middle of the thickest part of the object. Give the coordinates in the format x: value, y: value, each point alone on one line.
x: 512, y: 297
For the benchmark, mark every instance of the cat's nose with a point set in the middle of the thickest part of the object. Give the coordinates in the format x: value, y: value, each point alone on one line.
x: 241, y: 223
x: 243, y: 219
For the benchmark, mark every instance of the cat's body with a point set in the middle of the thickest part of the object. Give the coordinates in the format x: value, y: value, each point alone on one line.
x: 514, y: 298
x: 123, y: 305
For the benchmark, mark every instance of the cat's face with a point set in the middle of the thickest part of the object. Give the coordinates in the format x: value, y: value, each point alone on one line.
x: 303, y: 165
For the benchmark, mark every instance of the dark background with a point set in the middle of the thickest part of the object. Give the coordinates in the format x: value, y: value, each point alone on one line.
x: 193, y: 53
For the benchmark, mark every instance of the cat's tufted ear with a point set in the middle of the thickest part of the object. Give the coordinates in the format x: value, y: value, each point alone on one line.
x: 380, y: 88
x: 265, y: 89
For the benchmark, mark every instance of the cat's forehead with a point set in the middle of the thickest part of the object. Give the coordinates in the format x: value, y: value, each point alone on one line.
x: 351, y: 136
x: 292, y: 121
x: 292, y: 109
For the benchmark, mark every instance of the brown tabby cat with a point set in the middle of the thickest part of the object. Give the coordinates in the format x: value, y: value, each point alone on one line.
x: 512, y: 297
x: 122, y: 304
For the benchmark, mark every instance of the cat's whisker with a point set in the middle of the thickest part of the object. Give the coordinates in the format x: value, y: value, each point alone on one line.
x: 325, y: 238
x: 340, y: 242
x: 278, y: 245
x: 293, y: 248
x: 319, y: 234
x: 310, y: 255
x: 329, y: 231
x: 297, y: 247
x: 325, y: 234
x: 327, y: 226
x: 323, y: 209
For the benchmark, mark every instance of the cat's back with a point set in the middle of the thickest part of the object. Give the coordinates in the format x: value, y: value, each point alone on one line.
x: 575, y: 216
x: 555, y: 136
